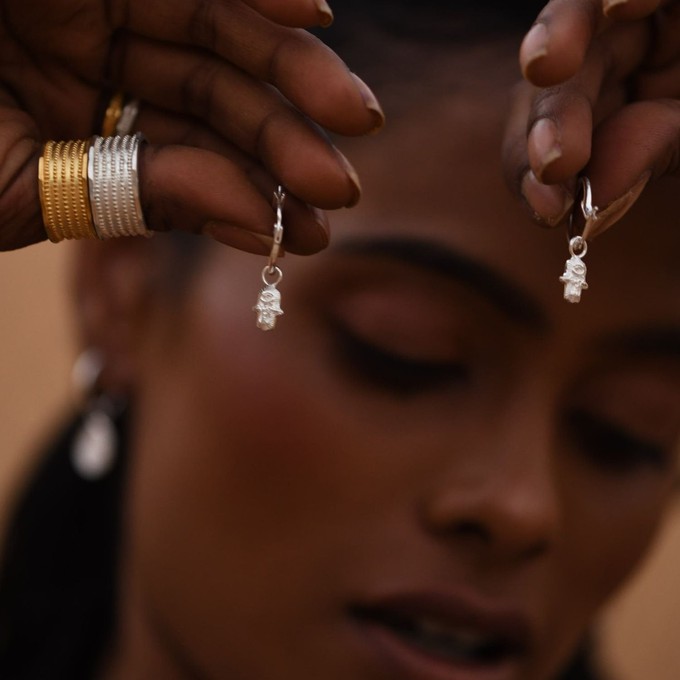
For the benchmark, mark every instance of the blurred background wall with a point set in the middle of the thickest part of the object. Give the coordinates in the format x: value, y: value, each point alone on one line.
x: 641, y: 637
x: 36, y: 352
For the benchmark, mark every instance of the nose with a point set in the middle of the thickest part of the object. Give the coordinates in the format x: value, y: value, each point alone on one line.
x: 499, y: 494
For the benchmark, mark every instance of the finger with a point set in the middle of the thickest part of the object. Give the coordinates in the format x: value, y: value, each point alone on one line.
x: 308, y: 73
x: 182, y: 188
x: 629, y: 10
x: 20, y: 216
x: 248, y: 113
x: 201, y: 192
x: 619, y: 172
x: 555, y: 48
x: 549, y: 205
x: 306, y: 230
x: 561, y: 120
x: 301, y: 13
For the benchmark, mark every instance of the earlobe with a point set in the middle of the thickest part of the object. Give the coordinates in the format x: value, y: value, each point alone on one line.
x: 111, y: 286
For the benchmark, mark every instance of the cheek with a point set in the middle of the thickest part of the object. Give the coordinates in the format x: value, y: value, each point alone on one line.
x: 235, y: 461
x: 218, y: 438
x: 235, y: 486
x: 607, y: 526
x: 609, y: 529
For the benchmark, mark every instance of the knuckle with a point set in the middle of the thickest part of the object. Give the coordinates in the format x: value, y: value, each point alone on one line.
x: 203, y: 24
x: 289, y: 42
x: 198, y: 90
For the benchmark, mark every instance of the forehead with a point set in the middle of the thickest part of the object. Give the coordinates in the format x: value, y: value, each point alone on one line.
x: 435, y: 173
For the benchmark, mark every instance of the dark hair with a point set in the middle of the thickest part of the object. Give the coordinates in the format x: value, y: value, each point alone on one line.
x: 59, y: 570
x: 399, y: 42
x: 430, y: 20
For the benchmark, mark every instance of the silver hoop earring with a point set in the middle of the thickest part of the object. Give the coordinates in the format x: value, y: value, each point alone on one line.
x: 575, y: 270
x: 268, y: 306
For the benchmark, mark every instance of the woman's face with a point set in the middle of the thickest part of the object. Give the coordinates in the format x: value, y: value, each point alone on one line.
x: 434, y: 468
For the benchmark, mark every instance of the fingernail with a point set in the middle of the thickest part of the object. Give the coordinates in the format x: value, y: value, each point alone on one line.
x: 321, y: 219
x: 534, y: 46
x: 550, y: 203
x: 248, y: 241
x: 353, y: 178
x: 612, y: 213
x: 371, y: 103
x: 610, y: 5
x: 325, y: 12
x: 544, y: 145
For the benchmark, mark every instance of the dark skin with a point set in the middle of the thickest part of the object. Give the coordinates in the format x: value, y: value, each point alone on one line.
x: 429, y: 416
x: 225, y: 104
x: 60, y: 60
x: 189, y: 416
x: 602, y: 98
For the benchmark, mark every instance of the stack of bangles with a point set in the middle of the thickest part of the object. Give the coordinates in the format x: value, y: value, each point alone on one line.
x: 90, y: 189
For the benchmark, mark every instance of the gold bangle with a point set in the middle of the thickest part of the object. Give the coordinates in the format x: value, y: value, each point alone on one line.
x: 120, y: 116
x: 64, y: 196
x: 46, y: 205
x: 113, y: 114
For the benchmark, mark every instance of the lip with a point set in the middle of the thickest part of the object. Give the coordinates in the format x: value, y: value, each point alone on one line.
x: 402, y: 659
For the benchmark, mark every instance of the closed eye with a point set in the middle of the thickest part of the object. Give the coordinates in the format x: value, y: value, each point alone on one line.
x: 611, y: 447
x: 392, y: 372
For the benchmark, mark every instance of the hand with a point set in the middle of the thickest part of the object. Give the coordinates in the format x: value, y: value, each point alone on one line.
x: 602, y: 98
x: 234, y: 96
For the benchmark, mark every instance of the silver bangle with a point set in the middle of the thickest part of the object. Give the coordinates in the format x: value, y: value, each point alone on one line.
x: 128, y: 118
x: 113, y: 176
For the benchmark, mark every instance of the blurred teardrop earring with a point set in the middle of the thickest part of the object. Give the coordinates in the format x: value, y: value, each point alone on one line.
x: 268, y: 306
x: 575, y: 270
x: 93, y: 452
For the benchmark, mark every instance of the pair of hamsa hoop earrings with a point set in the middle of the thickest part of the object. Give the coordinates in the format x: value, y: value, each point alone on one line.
x: 268, y: 306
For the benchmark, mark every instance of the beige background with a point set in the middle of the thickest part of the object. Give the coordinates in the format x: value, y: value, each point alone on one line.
x: 36, y: 351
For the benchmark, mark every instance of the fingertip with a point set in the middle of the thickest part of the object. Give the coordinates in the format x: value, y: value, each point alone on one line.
x: 371, y: 103
x: 352, y: 179
x: 544, y: 146
x: 629, y: 10
x: 549, y: 204
x: 554, y: 49
x: 295, y: 14
x: 612, y: 8
x: 326, y: 17
x: 320, y: 85
x: 323, y: 227
x: 533, y: 51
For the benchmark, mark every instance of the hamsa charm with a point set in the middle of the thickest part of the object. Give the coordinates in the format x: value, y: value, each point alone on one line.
x: 574, y: 277
x: 268, y: 307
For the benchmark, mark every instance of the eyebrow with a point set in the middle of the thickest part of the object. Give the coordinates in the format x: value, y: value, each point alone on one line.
x: 496, y: 289
x: 643, y: 343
